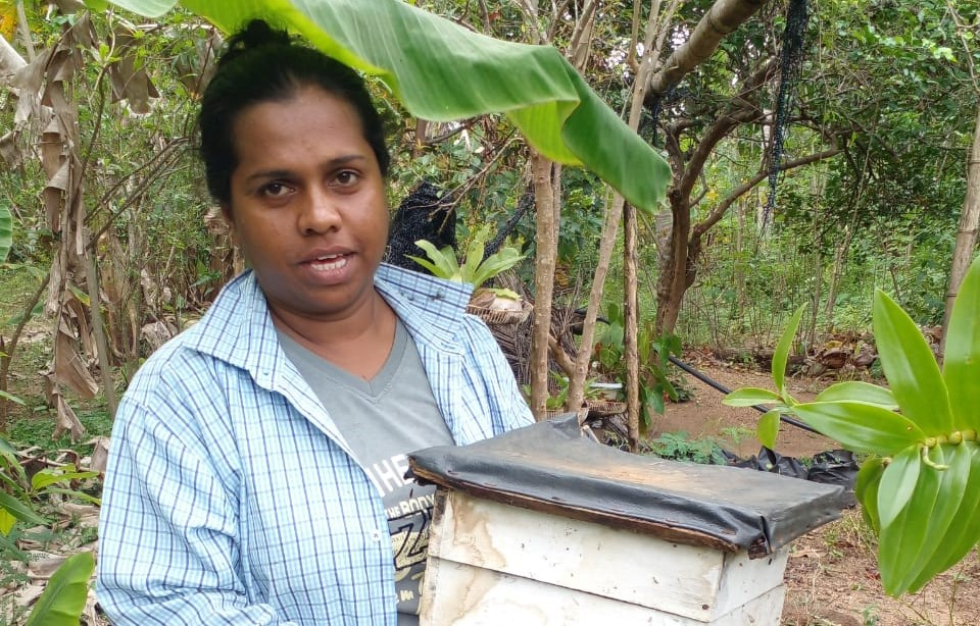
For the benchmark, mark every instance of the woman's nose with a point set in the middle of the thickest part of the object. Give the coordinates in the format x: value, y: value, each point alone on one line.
x: 319, y: 213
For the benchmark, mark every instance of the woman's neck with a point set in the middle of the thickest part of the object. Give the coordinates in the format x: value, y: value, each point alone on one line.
x: 359, y: 342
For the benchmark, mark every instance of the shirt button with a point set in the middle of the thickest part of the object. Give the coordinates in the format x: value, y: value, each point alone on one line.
x: 376, y: 535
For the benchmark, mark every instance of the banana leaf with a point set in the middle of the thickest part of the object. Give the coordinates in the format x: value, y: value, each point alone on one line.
x: 441, y: 71
x: 961, y: 365
x: 64, y: 597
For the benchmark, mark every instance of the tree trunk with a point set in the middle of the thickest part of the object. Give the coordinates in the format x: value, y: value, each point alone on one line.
x: 966, y: 236
x: 675, y: 266
x: 631, y: 322
x: 610, y: 227
x: 840, y: 260
x: 544, y: 281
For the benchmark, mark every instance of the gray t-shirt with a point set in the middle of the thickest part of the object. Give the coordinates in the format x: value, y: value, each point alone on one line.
x: 383, y: 420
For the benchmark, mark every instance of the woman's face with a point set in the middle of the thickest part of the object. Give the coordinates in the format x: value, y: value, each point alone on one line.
x: 308, y: 204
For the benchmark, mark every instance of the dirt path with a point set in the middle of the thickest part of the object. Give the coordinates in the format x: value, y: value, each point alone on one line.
x: 705, y: 416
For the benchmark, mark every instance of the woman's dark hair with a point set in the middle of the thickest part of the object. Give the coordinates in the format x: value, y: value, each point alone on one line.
x: 261, y: 64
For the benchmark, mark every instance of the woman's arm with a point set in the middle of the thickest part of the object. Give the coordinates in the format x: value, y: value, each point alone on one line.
x: 169, y: 546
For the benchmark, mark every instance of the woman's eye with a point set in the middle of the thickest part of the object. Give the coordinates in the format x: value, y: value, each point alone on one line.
x: 275, y: 190
x: 346, y: 178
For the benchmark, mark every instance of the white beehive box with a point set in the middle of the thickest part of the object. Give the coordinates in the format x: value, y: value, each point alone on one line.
x: 502, y: 551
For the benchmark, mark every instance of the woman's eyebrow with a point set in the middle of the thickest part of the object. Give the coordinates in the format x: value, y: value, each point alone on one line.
x: 282, y: 173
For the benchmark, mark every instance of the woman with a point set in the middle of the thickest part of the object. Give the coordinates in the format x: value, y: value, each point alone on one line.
x: 258, y: 459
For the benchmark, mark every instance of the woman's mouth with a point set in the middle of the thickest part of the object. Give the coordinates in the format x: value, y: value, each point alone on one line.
x: 329, y: 263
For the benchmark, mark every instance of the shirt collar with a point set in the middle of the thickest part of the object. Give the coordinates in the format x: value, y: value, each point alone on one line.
x: 238, y: 328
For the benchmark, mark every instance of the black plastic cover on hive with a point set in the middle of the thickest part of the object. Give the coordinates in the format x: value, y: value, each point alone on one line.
x: 550, y: 467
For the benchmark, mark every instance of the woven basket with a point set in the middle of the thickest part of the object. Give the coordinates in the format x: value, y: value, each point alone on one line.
x: 499, y: 318
x: 604, y: 408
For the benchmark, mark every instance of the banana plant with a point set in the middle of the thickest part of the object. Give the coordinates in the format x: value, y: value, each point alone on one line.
x: 64, y: 597
x: 443, y: 72
x: 919, y: 483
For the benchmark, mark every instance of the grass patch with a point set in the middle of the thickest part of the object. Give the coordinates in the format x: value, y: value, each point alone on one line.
x: 36, y: 430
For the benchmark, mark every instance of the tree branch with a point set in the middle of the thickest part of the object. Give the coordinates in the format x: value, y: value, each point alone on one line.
x: 723, y: 18
x: 719, y: 210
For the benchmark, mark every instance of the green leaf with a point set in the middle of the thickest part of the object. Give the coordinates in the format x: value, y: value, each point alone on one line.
x: 857, y: 391
x: 961, y: 362
x: 19, y: 510
x: 6, y: 448
x: 866, y: 487
x: 751, y: 396
x: 768, y: 429
x: 64, y: 597
x: 901, y: 540
x: 97, y: 6
x: 75, y: 494
x: 7, y: 522
x: 861, y: 427
x: 6, y: 231
x: 952, y: 489
x: 897, y: 484
x: 149, y: 8
x: 441, y: 72
x: 782, y: 351
x: 493, y: 265
x: 48, y: 477
x: 963, y: 535
x: 11, y: 397
x: 911, y: 368
x: 474, y: 255
x: 443, y: 264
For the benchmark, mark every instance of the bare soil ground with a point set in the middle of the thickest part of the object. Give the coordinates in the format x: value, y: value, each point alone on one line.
x: 832, y: 576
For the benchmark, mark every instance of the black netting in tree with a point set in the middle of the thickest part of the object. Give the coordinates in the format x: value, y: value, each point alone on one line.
x: 791, y: 64
x: 421, y: 215
x: 525, y: 205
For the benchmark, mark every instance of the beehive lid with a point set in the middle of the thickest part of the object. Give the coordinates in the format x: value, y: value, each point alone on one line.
x: 550, y: 467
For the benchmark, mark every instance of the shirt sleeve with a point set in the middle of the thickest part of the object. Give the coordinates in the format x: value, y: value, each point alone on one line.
x: 512, y: 409
x: 169, y: 546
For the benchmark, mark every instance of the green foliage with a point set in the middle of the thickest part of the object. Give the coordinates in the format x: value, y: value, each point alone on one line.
x: 64, y: 597
x: 550, y: 102
x: 475, y: 270
x: 678, y: 447
x: 918, y: 489
x: 6, y: 231
x: 654, y: 354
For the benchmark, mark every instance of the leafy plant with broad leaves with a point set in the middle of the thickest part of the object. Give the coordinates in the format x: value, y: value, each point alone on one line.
x: 443, y: 72
x: 63, y: 599
x: 654, y: 353
x: 475, y: 270
x: 18, y: 491
x: 918, y: 487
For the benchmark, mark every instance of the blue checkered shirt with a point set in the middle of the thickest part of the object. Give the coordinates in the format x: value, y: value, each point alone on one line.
x: 230, y: 495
